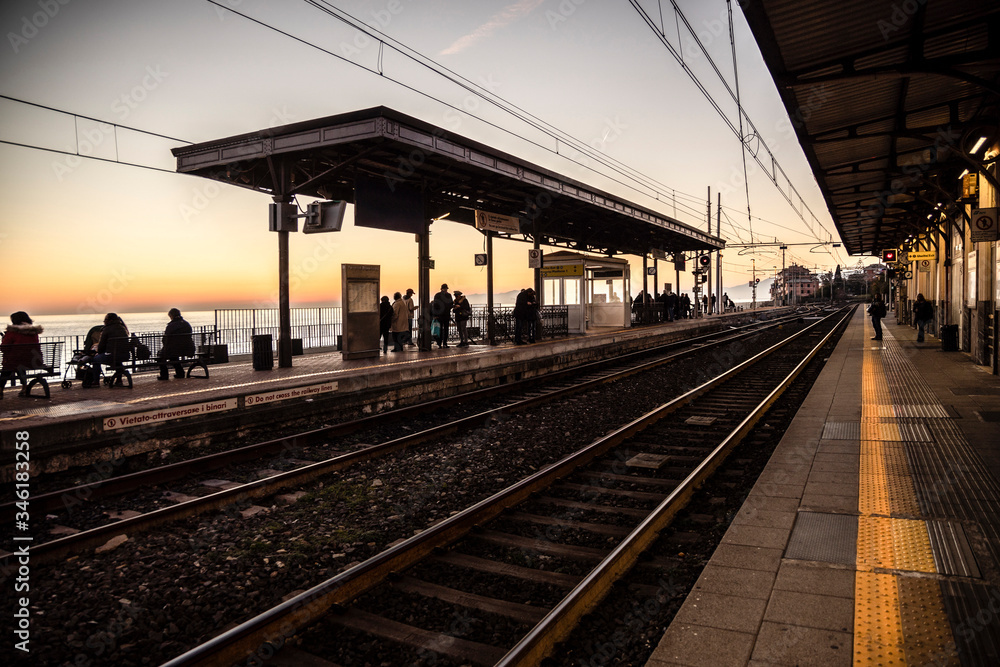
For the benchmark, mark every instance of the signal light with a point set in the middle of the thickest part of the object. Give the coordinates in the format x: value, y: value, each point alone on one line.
x: 704, y: 260
x: 756, y: 280
x: 888, y: 256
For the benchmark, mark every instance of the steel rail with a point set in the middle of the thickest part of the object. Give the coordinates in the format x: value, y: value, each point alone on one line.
x: 94, y: 537
x: 564, y: 617
x: 262, y: 635
x: 56, y: 500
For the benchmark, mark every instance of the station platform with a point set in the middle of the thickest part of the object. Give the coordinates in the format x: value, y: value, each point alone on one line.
x: 873, y: 535
x: 78, y: 426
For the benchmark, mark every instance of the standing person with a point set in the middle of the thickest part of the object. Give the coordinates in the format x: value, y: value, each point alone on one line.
x: 525, y: 315
x: 441, y: 311
x: 685, y: 303
x: 463, y: 311
x: 672, y: 302
x: 877, y: 311
x: 177, y: 343
x: 399, y: 322
x: 22, y: 352
x: 923, y: 315
x: 385, y: 323
x: 410, y: 308
x: 113, y: 349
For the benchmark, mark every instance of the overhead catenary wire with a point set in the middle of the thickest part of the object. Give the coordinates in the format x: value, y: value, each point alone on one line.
x: 775, y: 166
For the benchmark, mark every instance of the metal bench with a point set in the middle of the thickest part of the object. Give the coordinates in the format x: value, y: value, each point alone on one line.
x: 41, y: 360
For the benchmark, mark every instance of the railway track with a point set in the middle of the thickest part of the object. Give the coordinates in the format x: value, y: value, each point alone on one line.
x: 509, y: 399
x: 506, y: 563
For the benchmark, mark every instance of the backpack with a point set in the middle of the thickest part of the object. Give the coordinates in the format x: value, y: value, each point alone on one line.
x: 142, y: 352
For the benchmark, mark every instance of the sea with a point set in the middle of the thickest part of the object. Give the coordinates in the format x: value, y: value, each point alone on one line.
x: 65, y: 326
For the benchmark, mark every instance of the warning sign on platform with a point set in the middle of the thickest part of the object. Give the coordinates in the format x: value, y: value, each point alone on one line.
x: 984, y: 225
x: 166, y: 414
x: 294, y: 392
x: 924, y: 265
x: 494, y: 222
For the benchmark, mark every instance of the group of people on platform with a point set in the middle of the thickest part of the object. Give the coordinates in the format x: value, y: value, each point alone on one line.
x: 396, y: 318
x: 678, y: 306
x: 396, y: 321
x: 108, y: 344
x: 923, y: 315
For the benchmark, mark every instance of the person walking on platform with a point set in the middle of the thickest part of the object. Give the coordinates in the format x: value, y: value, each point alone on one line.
x: 463, y: 311
x: 385, y: 323
x: 410, y: 308
x: 177, y: 343
x: 877, y: 311
x: 923, y: 315
x: 21, y: 350
x: 525, y: 316
x: 441, y: 311
x: 399, y: 323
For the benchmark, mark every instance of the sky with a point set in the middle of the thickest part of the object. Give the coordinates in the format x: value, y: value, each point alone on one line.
x: 82, y: 233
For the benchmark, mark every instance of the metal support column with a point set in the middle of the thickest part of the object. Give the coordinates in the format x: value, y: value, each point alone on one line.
x: 490, y: 321
x: 423, y: 287
x: 284, y: 309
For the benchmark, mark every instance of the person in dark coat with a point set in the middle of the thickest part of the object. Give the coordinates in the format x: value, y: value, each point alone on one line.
x: 399, y: 322
x: 877, y: 311
x: 525, y: 316
x: 113, y: 349
x: 441, y: 311
x: 21, y: 350
x: 463, y: 311
x: 923, y: 315
x: 385, y: 323
x: 672, y: 306
x: 177, y: 343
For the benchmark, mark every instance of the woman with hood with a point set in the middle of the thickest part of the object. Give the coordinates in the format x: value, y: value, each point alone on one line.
x: 21, y: 350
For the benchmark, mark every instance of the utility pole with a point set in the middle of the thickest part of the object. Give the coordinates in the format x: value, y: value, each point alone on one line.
x: 753, y: 284
x: 784, y: 278
x: 718, y: 256
x: 708, y: 269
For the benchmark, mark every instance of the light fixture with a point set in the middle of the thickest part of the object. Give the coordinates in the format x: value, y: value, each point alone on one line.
x: 979, y: 144
x: 962, y: 175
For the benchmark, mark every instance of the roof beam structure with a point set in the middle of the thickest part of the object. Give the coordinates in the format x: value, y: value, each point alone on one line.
x: 886, y: 99
x: 323, y: 157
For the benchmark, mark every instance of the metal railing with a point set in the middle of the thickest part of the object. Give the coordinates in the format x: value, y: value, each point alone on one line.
x: 320, y: 328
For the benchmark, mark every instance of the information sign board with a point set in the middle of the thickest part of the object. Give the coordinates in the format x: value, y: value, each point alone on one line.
x: 984, y: 225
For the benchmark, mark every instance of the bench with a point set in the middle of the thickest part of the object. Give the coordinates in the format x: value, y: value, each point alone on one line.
x: 42, y: 360
x: 123, y: 373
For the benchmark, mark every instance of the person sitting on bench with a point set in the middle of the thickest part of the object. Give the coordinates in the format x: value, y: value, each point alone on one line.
x: 113, y: 349
x: 177, y: 343
x: 21, y: 350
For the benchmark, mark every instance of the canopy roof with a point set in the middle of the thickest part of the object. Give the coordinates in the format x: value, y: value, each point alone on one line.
x: 323, y: 158
x: 887, y: 99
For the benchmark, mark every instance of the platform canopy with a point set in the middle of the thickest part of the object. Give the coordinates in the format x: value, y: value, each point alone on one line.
x: 326, y: 157
x: 887, y: 98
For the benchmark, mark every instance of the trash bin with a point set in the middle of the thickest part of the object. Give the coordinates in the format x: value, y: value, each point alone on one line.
x: 297, y: 347
x: 949, y: 337
x: 263, y: 355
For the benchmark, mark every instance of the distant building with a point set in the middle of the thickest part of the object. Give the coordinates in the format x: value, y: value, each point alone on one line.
x: 794, y: 284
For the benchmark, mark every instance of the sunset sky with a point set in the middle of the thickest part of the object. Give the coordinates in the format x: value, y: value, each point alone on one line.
x: 80, y: 235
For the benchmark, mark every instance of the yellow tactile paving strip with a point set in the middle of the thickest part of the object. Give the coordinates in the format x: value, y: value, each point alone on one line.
x: 899, y: 617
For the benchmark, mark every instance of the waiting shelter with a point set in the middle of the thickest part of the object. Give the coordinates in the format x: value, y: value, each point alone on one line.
x: 403, y: 174
x: 594, y: 290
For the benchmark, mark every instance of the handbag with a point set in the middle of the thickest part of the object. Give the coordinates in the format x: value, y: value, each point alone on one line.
x: 435, y: 328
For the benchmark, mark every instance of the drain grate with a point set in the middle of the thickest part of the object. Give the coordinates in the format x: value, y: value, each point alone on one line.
x: 827, y: 538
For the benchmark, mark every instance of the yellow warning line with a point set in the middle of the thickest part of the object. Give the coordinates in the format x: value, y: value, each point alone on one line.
x: 898, y: 619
